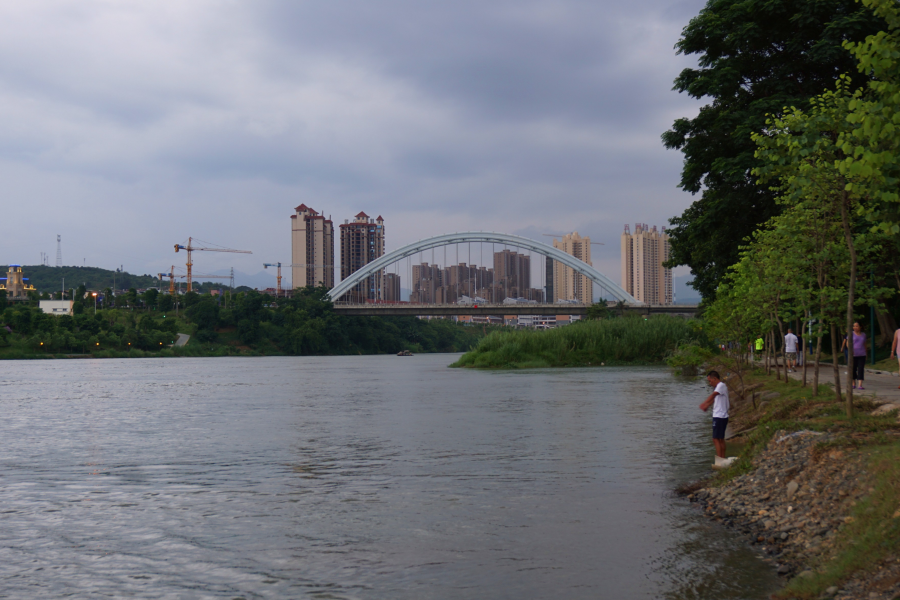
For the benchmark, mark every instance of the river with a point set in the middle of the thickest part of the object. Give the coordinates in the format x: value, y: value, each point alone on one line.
x: 356, y: 477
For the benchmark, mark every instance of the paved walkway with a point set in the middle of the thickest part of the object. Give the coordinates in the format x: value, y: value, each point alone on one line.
x: 182, y: 339
x: 879, y: 384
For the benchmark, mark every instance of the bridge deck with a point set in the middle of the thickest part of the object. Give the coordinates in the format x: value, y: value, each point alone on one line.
x: 448, y: 310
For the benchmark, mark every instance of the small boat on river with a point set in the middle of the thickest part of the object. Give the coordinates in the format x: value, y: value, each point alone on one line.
x: 404, y: 353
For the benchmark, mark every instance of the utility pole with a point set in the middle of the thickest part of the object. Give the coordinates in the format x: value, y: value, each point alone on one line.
x: 59, y: 251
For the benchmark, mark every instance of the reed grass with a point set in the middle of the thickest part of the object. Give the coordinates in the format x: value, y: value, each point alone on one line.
x: 628, y: 340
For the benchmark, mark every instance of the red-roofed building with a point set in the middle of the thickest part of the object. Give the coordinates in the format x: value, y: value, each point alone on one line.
x: 362, y: 241
x: 312, y: 249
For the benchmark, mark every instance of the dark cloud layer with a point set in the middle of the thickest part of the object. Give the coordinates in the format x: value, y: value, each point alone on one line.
x: 128, y: 126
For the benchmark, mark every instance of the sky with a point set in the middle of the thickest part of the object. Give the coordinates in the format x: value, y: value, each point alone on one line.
x: 128, y: 126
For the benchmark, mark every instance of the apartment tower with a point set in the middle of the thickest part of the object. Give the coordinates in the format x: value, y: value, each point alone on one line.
x: 567, y: 284
x: 362, y: 241
x: 391, y: 287
x: 312, y: 249
x: 512, y: 274
x: 643, y: 273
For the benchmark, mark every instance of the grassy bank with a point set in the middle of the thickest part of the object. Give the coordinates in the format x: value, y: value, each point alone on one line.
x: 869, y: 537
x: 628, y: 340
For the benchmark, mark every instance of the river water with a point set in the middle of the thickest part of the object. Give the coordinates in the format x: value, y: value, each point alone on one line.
x: 356, y: 477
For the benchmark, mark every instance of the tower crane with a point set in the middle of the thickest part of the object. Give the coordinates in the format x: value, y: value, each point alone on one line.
x: 278, y: 288
x: 172, y: 276
x: 191, y: 248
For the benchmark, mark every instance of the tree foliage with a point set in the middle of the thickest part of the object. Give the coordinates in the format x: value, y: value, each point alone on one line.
x: 834, y: 167
x: 303, y: 325
x: 755, y: 58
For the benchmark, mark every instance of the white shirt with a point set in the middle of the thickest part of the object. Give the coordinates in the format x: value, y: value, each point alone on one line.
x: 721, y: 404
x: 790, y: 343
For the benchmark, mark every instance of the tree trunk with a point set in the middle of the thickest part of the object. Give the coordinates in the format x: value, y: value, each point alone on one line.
x: 887, y: 324
x: 783, y: 355
x: 851, y: 289
x: 818, y: 356
x: 803, y: 349
x: 805, y: 364
x: 834, y: 362
x: 775, y: 357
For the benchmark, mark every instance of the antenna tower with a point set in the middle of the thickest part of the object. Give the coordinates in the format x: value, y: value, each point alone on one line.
x: 59, y: 251
x: 232, y: 279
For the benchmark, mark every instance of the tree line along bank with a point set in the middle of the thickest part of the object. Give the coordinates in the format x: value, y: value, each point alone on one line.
x: 230, y: 324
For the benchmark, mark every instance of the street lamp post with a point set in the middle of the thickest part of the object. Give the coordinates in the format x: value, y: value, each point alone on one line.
x: 95, y: 302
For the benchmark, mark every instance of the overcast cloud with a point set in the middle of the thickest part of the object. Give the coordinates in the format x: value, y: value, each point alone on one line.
x: 128, y: 126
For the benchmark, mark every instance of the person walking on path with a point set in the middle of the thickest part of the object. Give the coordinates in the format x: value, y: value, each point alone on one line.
x: 858, y: 352
x: 790, y: 350
x: 895, y: 351
x: 719, y: 401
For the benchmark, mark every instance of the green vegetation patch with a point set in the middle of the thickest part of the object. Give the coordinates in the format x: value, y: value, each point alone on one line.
x: 629, y: 340
x: 245, y: 323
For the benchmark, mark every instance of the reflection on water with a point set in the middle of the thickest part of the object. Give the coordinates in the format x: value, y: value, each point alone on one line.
x: 356, y: 477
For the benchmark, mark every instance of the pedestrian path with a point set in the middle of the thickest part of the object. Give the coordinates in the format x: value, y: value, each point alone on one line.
x: 878, y: 384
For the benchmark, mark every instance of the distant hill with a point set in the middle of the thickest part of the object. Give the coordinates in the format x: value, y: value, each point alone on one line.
x: 50, y: 279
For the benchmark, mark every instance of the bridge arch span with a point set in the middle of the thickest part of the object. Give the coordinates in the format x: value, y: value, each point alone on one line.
x: 578, y: 266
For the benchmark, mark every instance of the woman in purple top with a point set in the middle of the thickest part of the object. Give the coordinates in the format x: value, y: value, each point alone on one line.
x: 859, y: 355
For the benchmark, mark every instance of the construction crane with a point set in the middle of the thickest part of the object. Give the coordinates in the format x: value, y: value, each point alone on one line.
x: 278, y: 288
x: 191, y: 248
x: 172, y: 276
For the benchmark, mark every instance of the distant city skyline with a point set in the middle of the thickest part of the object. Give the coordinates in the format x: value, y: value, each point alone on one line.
x: 518, y: 118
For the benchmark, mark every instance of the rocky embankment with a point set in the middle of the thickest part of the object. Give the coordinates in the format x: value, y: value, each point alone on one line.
x: 792, y: 505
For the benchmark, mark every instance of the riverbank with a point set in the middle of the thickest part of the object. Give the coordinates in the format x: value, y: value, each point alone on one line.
x: 817, y: 493
x: 631, y: 340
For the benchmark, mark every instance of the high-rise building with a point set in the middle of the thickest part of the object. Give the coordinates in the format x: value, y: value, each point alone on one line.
x: 433, y: 284
x: 391, y: 287
x: 512, y: 273
x: 362, y: 241
x: 548, y: 279
x: 426, y: 280
x: 312, y: 249
x: 567, y: 284
x: 643, y: 273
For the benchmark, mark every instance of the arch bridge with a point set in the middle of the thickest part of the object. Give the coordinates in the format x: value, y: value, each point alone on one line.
x: 517, y: 241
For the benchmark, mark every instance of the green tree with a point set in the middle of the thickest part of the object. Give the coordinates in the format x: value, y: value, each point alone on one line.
x: 150, y: 298
x: 755, y: 58
x: 248, y: 331
x: 598, y: 311
x: 872, y: 147
x: 131, y: 298
x: 165, y: 302
x: 204, y: 313
x: 190, y: 298
x: 803, y: 153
